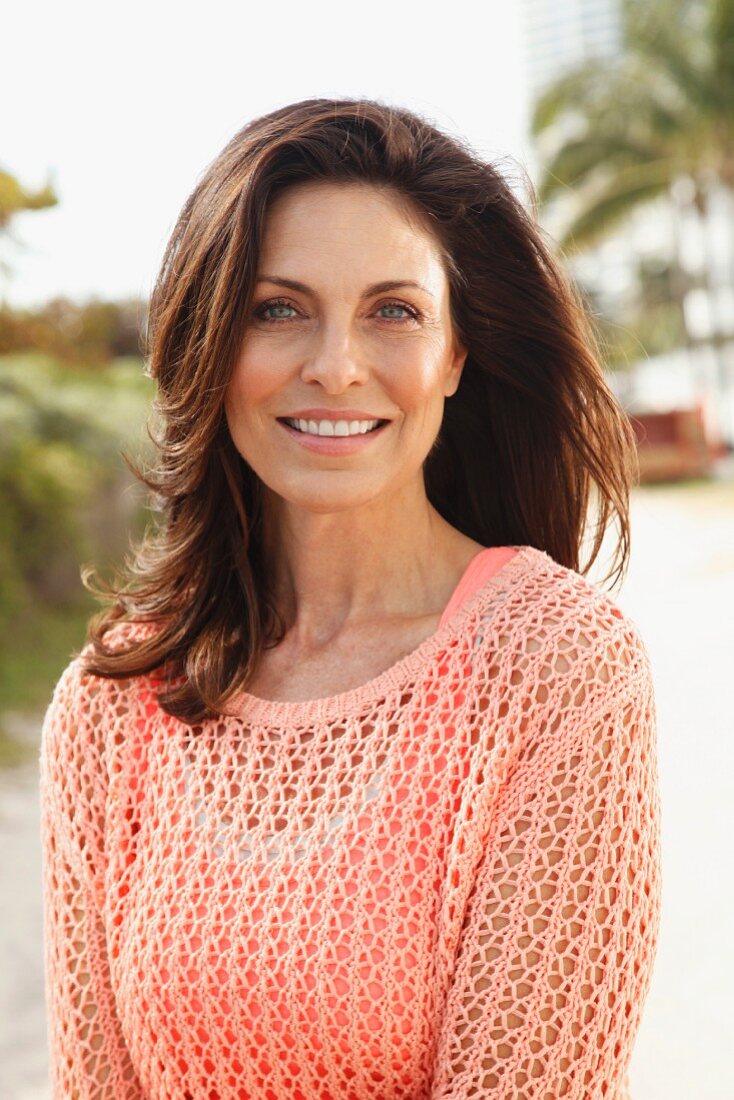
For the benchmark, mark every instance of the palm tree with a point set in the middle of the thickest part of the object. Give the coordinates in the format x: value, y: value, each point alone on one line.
x: 656, y: 122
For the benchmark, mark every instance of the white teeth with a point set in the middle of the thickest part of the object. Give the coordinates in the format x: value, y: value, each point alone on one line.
x: 333, y: 427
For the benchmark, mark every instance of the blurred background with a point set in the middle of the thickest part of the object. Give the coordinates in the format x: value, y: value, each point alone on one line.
x: 622, y: 115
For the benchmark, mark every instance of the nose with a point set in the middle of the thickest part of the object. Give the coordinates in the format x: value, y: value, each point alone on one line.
x: 334, y: 359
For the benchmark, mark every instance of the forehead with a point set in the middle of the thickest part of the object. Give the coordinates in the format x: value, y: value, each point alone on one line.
x: 348, y: 226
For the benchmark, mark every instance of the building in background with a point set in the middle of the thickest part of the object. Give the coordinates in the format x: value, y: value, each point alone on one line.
x: 558, y: 34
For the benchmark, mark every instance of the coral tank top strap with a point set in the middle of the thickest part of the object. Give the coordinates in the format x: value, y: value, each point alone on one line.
x: 482, y: 566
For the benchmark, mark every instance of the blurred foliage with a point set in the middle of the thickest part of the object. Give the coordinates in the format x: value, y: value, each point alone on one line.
x: 79, y: 334
x: 649, y: 322
x: 66, y: 498
x: 653, y: 123
x: 16, y: 199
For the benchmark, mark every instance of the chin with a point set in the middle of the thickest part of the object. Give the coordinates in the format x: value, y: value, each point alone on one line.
x: 324, y: 499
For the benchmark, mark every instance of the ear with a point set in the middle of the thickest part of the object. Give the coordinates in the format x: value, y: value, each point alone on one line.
x: 456, y: 367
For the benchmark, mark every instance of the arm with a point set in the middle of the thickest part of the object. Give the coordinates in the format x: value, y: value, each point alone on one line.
x: 560, y: 932
x: 88, y: 1056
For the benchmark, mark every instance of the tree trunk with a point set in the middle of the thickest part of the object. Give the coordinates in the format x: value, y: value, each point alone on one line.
x: 717, y: 324
x: 678, y: 276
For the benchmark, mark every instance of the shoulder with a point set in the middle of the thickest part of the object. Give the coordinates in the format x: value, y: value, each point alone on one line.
x: 574, y: 636
x: 72, y: 728
x: 85, y: 707
x: 564, y: 659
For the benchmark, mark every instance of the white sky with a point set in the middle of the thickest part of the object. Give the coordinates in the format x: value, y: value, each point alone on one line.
x: 124, y: 106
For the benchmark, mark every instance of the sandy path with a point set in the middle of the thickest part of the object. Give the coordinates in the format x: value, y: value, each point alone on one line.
x: 23, y: 1058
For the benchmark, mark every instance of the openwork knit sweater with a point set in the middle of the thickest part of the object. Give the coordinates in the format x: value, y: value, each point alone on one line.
x: 441, y: 884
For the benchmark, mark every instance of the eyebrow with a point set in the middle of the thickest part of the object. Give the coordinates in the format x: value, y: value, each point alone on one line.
x: 375, y: 288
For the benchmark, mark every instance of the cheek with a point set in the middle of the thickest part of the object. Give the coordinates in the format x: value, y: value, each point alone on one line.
x: 254, y: 379
x: 416, y: 379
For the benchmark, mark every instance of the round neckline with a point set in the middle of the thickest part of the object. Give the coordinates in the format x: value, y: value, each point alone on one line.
x: 243, y: 705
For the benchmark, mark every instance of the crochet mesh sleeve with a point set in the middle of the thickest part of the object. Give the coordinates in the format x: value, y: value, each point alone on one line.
x: 87, y: 1052
x: 558, y: 940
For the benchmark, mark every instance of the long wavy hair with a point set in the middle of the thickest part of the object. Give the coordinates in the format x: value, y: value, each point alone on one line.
x: 532, y: 433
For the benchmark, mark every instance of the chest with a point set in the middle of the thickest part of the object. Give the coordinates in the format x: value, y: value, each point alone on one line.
x: 305, y: 912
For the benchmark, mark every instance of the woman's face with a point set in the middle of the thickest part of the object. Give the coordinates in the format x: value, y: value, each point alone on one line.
x: 350, y: 322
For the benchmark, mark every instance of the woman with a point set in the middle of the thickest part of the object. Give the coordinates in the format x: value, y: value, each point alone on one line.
x: 352, y: 791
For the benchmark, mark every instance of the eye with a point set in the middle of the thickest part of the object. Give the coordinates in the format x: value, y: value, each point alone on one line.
x: 276, y: 310
x: 412, y: 314
x: 279, y: 306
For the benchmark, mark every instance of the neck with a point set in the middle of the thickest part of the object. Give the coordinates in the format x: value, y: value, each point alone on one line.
x: 335, y: 571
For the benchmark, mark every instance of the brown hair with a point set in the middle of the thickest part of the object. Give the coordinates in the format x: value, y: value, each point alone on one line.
x: 532, y: 430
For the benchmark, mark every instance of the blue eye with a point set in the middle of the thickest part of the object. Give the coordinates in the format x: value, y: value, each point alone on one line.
x: 408, y: 313
x: 276, y: 305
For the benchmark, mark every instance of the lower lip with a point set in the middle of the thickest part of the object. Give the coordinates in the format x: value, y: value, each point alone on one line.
x: 333, y: 444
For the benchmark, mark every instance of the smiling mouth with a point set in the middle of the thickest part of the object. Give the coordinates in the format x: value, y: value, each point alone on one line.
x: 326, y: 434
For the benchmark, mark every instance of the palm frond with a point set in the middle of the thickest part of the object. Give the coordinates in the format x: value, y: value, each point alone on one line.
x: 577, y: 161
x: 721, y: 34
x: 572, y: 91
x: 611, y: 205
x: 671, y: 38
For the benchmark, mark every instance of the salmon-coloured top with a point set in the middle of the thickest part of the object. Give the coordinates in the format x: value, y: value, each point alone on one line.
x: 441, y: 885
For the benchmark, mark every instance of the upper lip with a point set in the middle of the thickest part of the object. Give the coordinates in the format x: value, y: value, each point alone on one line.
x: 331, y: 414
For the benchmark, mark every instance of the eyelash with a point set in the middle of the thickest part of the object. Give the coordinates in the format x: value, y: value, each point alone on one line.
x: 414, y: 314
